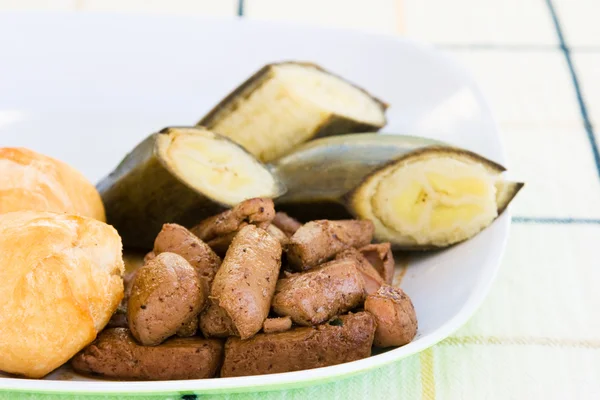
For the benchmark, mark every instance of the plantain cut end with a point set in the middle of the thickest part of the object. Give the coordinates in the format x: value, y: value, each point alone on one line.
x: 215, y: 166
x: 288, y: 103
x: 432, y: 198
x: 505, y: 192
x: 180, y: 175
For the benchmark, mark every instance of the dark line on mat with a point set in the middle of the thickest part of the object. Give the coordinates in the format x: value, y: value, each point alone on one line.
x: 582, y: 106
x: 556, y: 221
x: 240, y: 9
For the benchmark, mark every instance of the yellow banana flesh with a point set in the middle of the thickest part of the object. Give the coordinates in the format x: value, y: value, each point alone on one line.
x: 436, y: 202
x: 215, y: 168
x: 432, y: 198
x: 180, y: 175
x: 286, y: 104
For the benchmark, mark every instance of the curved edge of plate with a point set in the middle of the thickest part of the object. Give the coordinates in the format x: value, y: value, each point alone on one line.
x: 291, y: 380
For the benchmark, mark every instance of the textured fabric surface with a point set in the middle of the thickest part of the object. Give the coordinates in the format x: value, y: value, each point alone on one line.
x: 537, y: 336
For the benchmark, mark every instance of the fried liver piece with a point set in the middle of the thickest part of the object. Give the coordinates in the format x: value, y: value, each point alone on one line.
x: 166, y: 295
x: 278, y: 234
x: 245, y: 283
x: 214, y: 322
x: 395, y: 315
x: 286, y: 223
x: 371, y: 277
x: 319, y: 241
x: 313, y: 297
x: 256, y: 211
x: 220, y: 244
x: 281, y: 324
x: 347, y: 338
x: 188, y: 329
x: 381, y: 258
x: 176, y: 239
x: 116, y: 354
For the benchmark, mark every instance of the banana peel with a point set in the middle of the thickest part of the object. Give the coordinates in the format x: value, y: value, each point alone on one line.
x: 419, y: 193
x: 324, y: 170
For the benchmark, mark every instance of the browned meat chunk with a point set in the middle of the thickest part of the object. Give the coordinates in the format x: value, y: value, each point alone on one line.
x: 278, y: 234
x: 319, y: 241
x: 313, y: 297
x: 272, y: 325
x: 257, y: 211
x: 373, y: 280
x: 189, y: 329
x: 381, y: 258
x: 220, y: 244
x: 214, y: 322
x: 345, y: 339
x: 286, y: 223
x: 176, y: 239
x: 245, y: 283
x: 115, y: 354
x: 395, y: 315
x: 166, y: 295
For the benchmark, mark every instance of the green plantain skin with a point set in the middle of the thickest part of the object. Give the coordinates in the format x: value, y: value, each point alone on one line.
x: 144, y: 192
x: 324, y: 175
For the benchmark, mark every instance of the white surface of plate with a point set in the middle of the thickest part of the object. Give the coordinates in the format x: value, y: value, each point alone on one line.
x: 85, y: 88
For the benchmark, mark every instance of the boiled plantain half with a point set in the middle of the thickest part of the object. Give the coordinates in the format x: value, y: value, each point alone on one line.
x: 419, y: 193
x: 180, y: 175
x: 285, y: 104
x: 324, y: 170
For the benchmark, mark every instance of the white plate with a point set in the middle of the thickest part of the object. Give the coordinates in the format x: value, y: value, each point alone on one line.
x: 85, y: 88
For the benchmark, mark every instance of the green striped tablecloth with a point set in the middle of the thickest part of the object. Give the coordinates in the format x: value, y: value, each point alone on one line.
x: 537, y: 336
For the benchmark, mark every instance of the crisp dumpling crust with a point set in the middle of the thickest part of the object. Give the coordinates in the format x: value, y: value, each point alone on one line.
x: 33, y: 181
x: 60, y: 282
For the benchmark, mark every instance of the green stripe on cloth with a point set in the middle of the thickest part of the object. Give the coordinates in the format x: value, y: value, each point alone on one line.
x: 427, y: 375
x: 523, y: 341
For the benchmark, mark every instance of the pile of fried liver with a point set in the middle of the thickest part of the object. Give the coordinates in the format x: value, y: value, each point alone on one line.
x: 249, y: 292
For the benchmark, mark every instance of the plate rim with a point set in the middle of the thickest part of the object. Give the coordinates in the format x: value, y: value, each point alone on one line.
x: 288, y: 380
